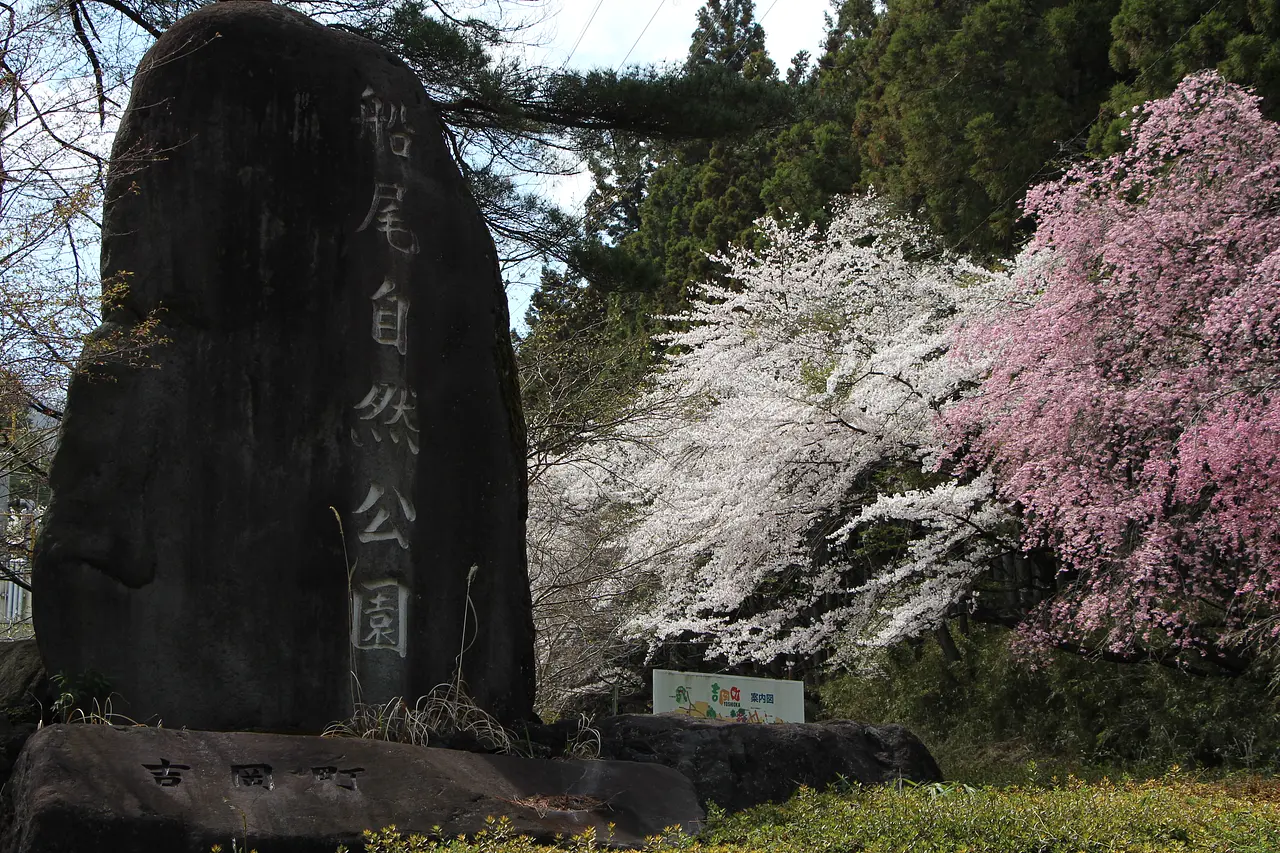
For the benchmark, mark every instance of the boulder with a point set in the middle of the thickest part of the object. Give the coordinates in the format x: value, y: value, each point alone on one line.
x: 25, y: 689
x: 320, y: 467
x: 89, y: 787
x: 26, y: 694
x: 740, y: 765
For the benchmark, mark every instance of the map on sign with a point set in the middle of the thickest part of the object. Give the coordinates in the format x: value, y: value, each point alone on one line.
x: 728, y: 697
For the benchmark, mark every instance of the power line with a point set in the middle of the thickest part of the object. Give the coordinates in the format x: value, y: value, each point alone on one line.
x: 661, y: 3
x: 584, y: 32
x: 655, y: 15
x: 737, y: 54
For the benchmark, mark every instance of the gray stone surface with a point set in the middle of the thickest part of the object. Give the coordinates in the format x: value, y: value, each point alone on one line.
x: 24, y: 686
x: 740, y: 765
x: 25, y: 694
x: 337, y: 339
x: 84, y: 787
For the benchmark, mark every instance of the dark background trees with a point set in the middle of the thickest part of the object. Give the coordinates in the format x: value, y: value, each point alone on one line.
x: 950, y: 110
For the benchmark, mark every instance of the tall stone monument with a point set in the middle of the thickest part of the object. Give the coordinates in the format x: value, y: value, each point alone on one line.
x: 335, y: 346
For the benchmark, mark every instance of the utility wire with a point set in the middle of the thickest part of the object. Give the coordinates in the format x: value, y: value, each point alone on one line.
x: 584, y: 32
x: 737, y: 54
x: 661, y: 3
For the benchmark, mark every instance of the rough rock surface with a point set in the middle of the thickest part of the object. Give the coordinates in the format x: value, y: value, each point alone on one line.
x: 335, y: 342
x: 740, y: 765
x: 25, y: 693
x: 24, y: 686
x: 84, y: 787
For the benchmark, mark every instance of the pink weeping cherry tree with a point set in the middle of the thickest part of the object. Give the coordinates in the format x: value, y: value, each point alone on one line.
x: 1133, y: 410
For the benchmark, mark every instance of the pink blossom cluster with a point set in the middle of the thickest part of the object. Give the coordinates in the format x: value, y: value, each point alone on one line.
x: 1133, y: 409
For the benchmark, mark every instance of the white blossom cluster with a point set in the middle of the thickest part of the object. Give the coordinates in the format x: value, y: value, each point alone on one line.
x: 821, y: 362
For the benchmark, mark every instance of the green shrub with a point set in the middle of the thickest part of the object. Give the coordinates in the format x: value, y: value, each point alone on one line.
x: 990, y: 718
x: 1168, y: 815
x: 1164, y: 816
x: 82, y: 696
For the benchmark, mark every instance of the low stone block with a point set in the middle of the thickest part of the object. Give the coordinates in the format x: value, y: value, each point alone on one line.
x: 740, y: 765
x: 89, y: 787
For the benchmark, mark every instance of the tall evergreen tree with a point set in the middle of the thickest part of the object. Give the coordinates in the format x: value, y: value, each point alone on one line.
x: 727, y: 35
x: 968, y: 100
x: 1155, y: 43
x: 657, y: 210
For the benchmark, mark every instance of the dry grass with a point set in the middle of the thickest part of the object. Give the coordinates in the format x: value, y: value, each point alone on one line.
x: 447, y: 709
x: 543, y: 804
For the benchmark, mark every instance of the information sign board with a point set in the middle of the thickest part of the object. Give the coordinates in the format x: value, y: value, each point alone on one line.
x: 728, y: 697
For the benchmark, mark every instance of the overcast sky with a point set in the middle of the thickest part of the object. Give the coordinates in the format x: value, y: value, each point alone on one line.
x: 790, y: 25
x: 643, y: 32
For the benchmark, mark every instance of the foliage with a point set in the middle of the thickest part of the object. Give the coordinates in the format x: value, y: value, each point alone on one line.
x: 585, y: 363
x: 54, y: 106
x: 582, y: 398
x: 950, y: 110
x: 578, y: 387
x: 658, y: 210
x: 83, y: 697
x: 581, y: 589
x: 812, y: 161
x: 1131, y: 408
x: 793, y: 509
x: 698, y: 203
x: 727, y: 35
x: 1164, y: 816
x: 1159, y: 817
x: 25, y: 446
x: 52, y: 136
x: 705, y: 196
x: 498, y: 837
x: 812, y: 380
x: 1155, y: 44
x: 968, y: 101
x: 988, y: 718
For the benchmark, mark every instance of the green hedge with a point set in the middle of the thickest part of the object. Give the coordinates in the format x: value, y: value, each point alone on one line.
x: 1161, y: 816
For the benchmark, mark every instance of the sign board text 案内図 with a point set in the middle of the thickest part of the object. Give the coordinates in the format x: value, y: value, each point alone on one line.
x: 728, y: 697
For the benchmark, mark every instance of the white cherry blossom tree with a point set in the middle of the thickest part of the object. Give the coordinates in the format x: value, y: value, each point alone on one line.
x: 793, y: 510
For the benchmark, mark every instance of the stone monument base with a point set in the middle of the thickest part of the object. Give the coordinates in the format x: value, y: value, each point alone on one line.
x: 90, y: 787
x: 740, y: 765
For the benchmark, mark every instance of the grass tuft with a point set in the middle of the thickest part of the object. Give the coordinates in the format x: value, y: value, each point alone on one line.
x: 446, y: 710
